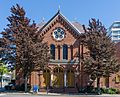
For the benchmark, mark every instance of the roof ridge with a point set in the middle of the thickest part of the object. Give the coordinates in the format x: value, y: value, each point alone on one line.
x: 67, y: 20
x: 70, y: 23
x: 58, y: 12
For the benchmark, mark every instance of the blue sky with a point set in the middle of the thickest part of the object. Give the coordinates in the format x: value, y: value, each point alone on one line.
x: 75, y: 10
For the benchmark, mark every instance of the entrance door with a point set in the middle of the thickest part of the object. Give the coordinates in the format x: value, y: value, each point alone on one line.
x: 70, y: 78
x: 46, y: 75
x: 58, y: 79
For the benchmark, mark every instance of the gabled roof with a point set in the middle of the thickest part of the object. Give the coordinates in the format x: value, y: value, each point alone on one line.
x: 75, y: 25
x: 40, y: 25
x: 78, y: 26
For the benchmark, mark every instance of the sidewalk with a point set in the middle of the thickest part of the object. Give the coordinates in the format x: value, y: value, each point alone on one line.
x: 58, y: 94
x: 31, y: 93
x: 2, y: 94
x: 45, y: 93
x: 111, y: 95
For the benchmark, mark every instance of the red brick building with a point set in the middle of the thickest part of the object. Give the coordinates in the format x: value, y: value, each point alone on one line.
x: 64, y: 68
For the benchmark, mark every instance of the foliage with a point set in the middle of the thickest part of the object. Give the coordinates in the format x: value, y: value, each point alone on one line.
x: 3, y: 70
x: 24, y: 39
x: 91, y: 89
x: 100, y: 59
x: 7, y: 50
x: 109, y: 91
x: 21, y: 87
x: 31, y: 52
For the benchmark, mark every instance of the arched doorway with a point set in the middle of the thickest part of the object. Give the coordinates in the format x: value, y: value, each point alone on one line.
x: 58, y: 79
x: 70, y: 78
x: 46, y: 75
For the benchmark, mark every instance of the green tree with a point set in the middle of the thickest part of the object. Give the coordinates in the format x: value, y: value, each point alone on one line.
x: 7, y: 48
x: 30, y: 51
x: 3, y: 70
x: 100, y: 59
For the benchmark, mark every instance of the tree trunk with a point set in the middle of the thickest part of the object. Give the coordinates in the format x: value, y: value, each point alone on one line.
x: 98, y: 85
x: 1, y: 80
x: 25, y: 84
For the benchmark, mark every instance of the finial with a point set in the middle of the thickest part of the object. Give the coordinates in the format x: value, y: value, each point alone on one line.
x: 59, y: 8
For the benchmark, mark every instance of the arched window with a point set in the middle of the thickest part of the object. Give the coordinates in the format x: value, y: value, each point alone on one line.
x: 71, y: 49
x: 58, y: 52
x: 65, y: 51
x: 52, y: 51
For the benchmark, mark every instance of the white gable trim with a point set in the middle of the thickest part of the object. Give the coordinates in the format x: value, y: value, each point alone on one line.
x: 70, y: 23
x: 61, y: 15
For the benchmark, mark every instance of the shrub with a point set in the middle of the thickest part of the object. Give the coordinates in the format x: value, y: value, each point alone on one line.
x: 103, y: 90
x: 109, y: 91
x: 22, y: 87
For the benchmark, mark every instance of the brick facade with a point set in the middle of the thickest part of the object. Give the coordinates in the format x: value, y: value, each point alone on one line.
x: 60, y: 72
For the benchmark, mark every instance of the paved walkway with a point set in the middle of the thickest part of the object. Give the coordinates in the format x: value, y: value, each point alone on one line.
x: 58, y: 94
x: 2, y: 94
x: 112, y: 95
x: 45, y: 93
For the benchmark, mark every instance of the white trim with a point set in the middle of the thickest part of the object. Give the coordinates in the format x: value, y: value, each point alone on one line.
x: 49, y: 23
x: 69, y: 22
x: 51, y: 78
x: 115, y: 29
x: 65, y: 20
x: 65, y: 78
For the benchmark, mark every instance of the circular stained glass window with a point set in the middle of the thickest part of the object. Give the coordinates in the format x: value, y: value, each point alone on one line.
x: 58, y: 34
